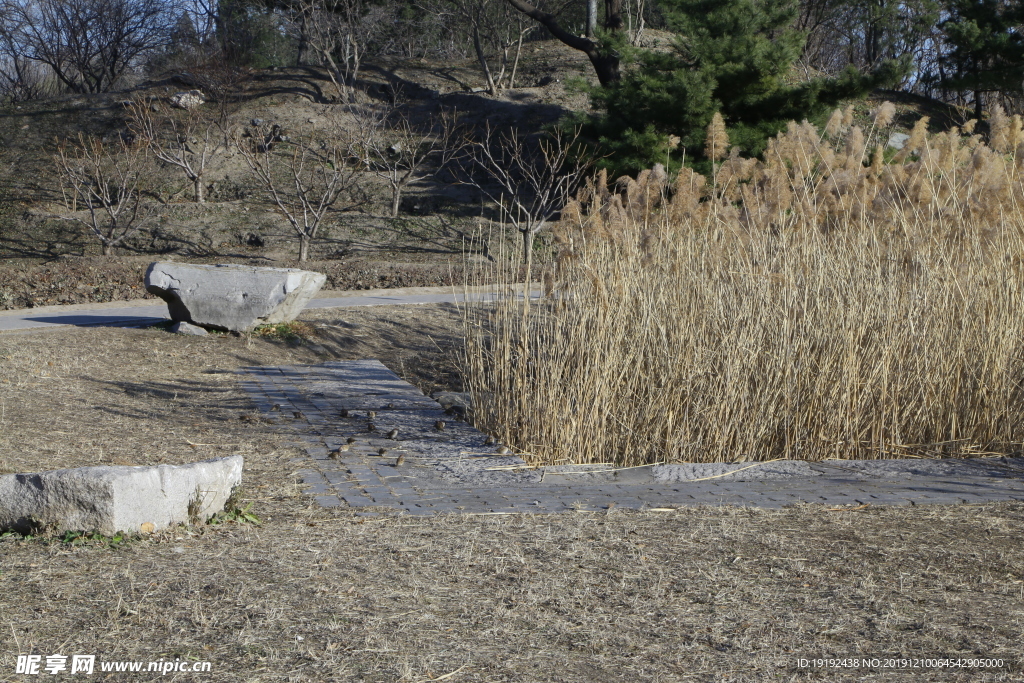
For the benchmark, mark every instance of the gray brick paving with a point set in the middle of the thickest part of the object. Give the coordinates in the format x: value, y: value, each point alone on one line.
x: 444, y: 472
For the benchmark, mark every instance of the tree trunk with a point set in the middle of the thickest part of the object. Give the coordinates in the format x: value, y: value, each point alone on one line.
x: 591, y: 19
x: 978, y: 109
x: 396, y: 196
x: 303, y: 248
x: 491, y: 88
x: 613, y: 15
x: 515, y: 64
x: 197, y: 182
x: 869, y: 45
x: 942, y: 79
x: 107, y: 249
x: 303, y: 42
x: 606, y: 63
x: 335, y: 73
x: 607, y: 68
x: 357, y: 59
x: 873, y: 33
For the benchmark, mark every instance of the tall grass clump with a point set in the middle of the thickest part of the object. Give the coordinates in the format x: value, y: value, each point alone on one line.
x: 831, y: 300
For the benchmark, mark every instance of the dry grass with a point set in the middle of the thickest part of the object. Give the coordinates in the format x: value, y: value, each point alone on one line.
x: 315, y: 595
x: 694, y: 595
x: 808, y: 306
x: 77, y: 397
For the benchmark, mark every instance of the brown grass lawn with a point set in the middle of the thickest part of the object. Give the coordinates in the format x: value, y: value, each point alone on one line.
x: 325, y: 595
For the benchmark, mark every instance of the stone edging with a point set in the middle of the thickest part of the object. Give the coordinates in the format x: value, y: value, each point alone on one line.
x: 112, y: 499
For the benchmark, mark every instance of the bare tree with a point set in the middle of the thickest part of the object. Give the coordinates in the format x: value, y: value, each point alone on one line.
x: 305, y: 177
x: 495, y: 28
x: 866, y: 33
x: 401, y: 152
x: 635, y: 22
x: 204, y: 15
x: 107, y: 181
x: 89, y: 44
x: 20, y: 78
x: 531, y: 179
x: 338, y: 32
x: 183, y: 140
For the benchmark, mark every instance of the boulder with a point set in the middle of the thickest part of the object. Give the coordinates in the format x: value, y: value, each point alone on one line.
x: 186, y: 328
x: 232, y: 297
x: 459, y: 404
x: 109, y: 500
x: 898, y: 140
x: 450, y: 399
x: 188, y: 100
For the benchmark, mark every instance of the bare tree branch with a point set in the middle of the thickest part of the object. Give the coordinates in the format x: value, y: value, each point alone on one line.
x: 495, y: 28
x: 534, y: 179
x: 337, y: 31
x: 606, y: 64
x: 401, y: 152
x: 89, y: 44
x: 305, y: 177
x: 107, y: 181
x: 184, y: 141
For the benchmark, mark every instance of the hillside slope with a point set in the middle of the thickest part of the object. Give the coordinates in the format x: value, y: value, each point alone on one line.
x: 47, y: 259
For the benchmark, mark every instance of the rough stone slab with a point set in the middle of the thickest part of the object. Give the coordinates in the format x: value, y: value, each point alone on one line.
x: 183, y: 327
x: 109, y: 500
x: 357, y: 500
x: 232, y: 297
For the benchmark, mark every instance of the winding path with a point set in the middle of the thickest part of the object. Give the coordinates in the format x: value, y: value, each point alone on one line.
x: 143, y: 312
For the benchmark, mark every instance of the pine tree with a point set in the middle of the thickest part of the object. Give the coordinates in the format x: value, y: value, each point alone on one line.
x: 987, y: 51
x: 730, y: 56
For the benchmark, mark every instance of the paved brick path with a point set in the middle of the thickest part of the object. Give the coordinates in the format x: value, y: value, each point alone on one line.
x: 452, y: 470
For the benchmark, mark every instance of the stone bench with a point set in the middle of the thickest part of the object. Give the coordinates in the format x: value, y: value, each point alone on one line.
x: 229, y: 297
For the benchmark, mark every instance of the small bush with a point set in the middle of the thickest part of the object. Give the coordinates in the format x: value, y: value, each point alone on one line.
x: 237, y: 515
x: 293, y: 332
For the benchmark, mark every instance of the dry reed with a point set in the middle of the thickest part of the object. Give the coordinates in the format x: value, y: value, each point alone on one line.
x: 808, y: 305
